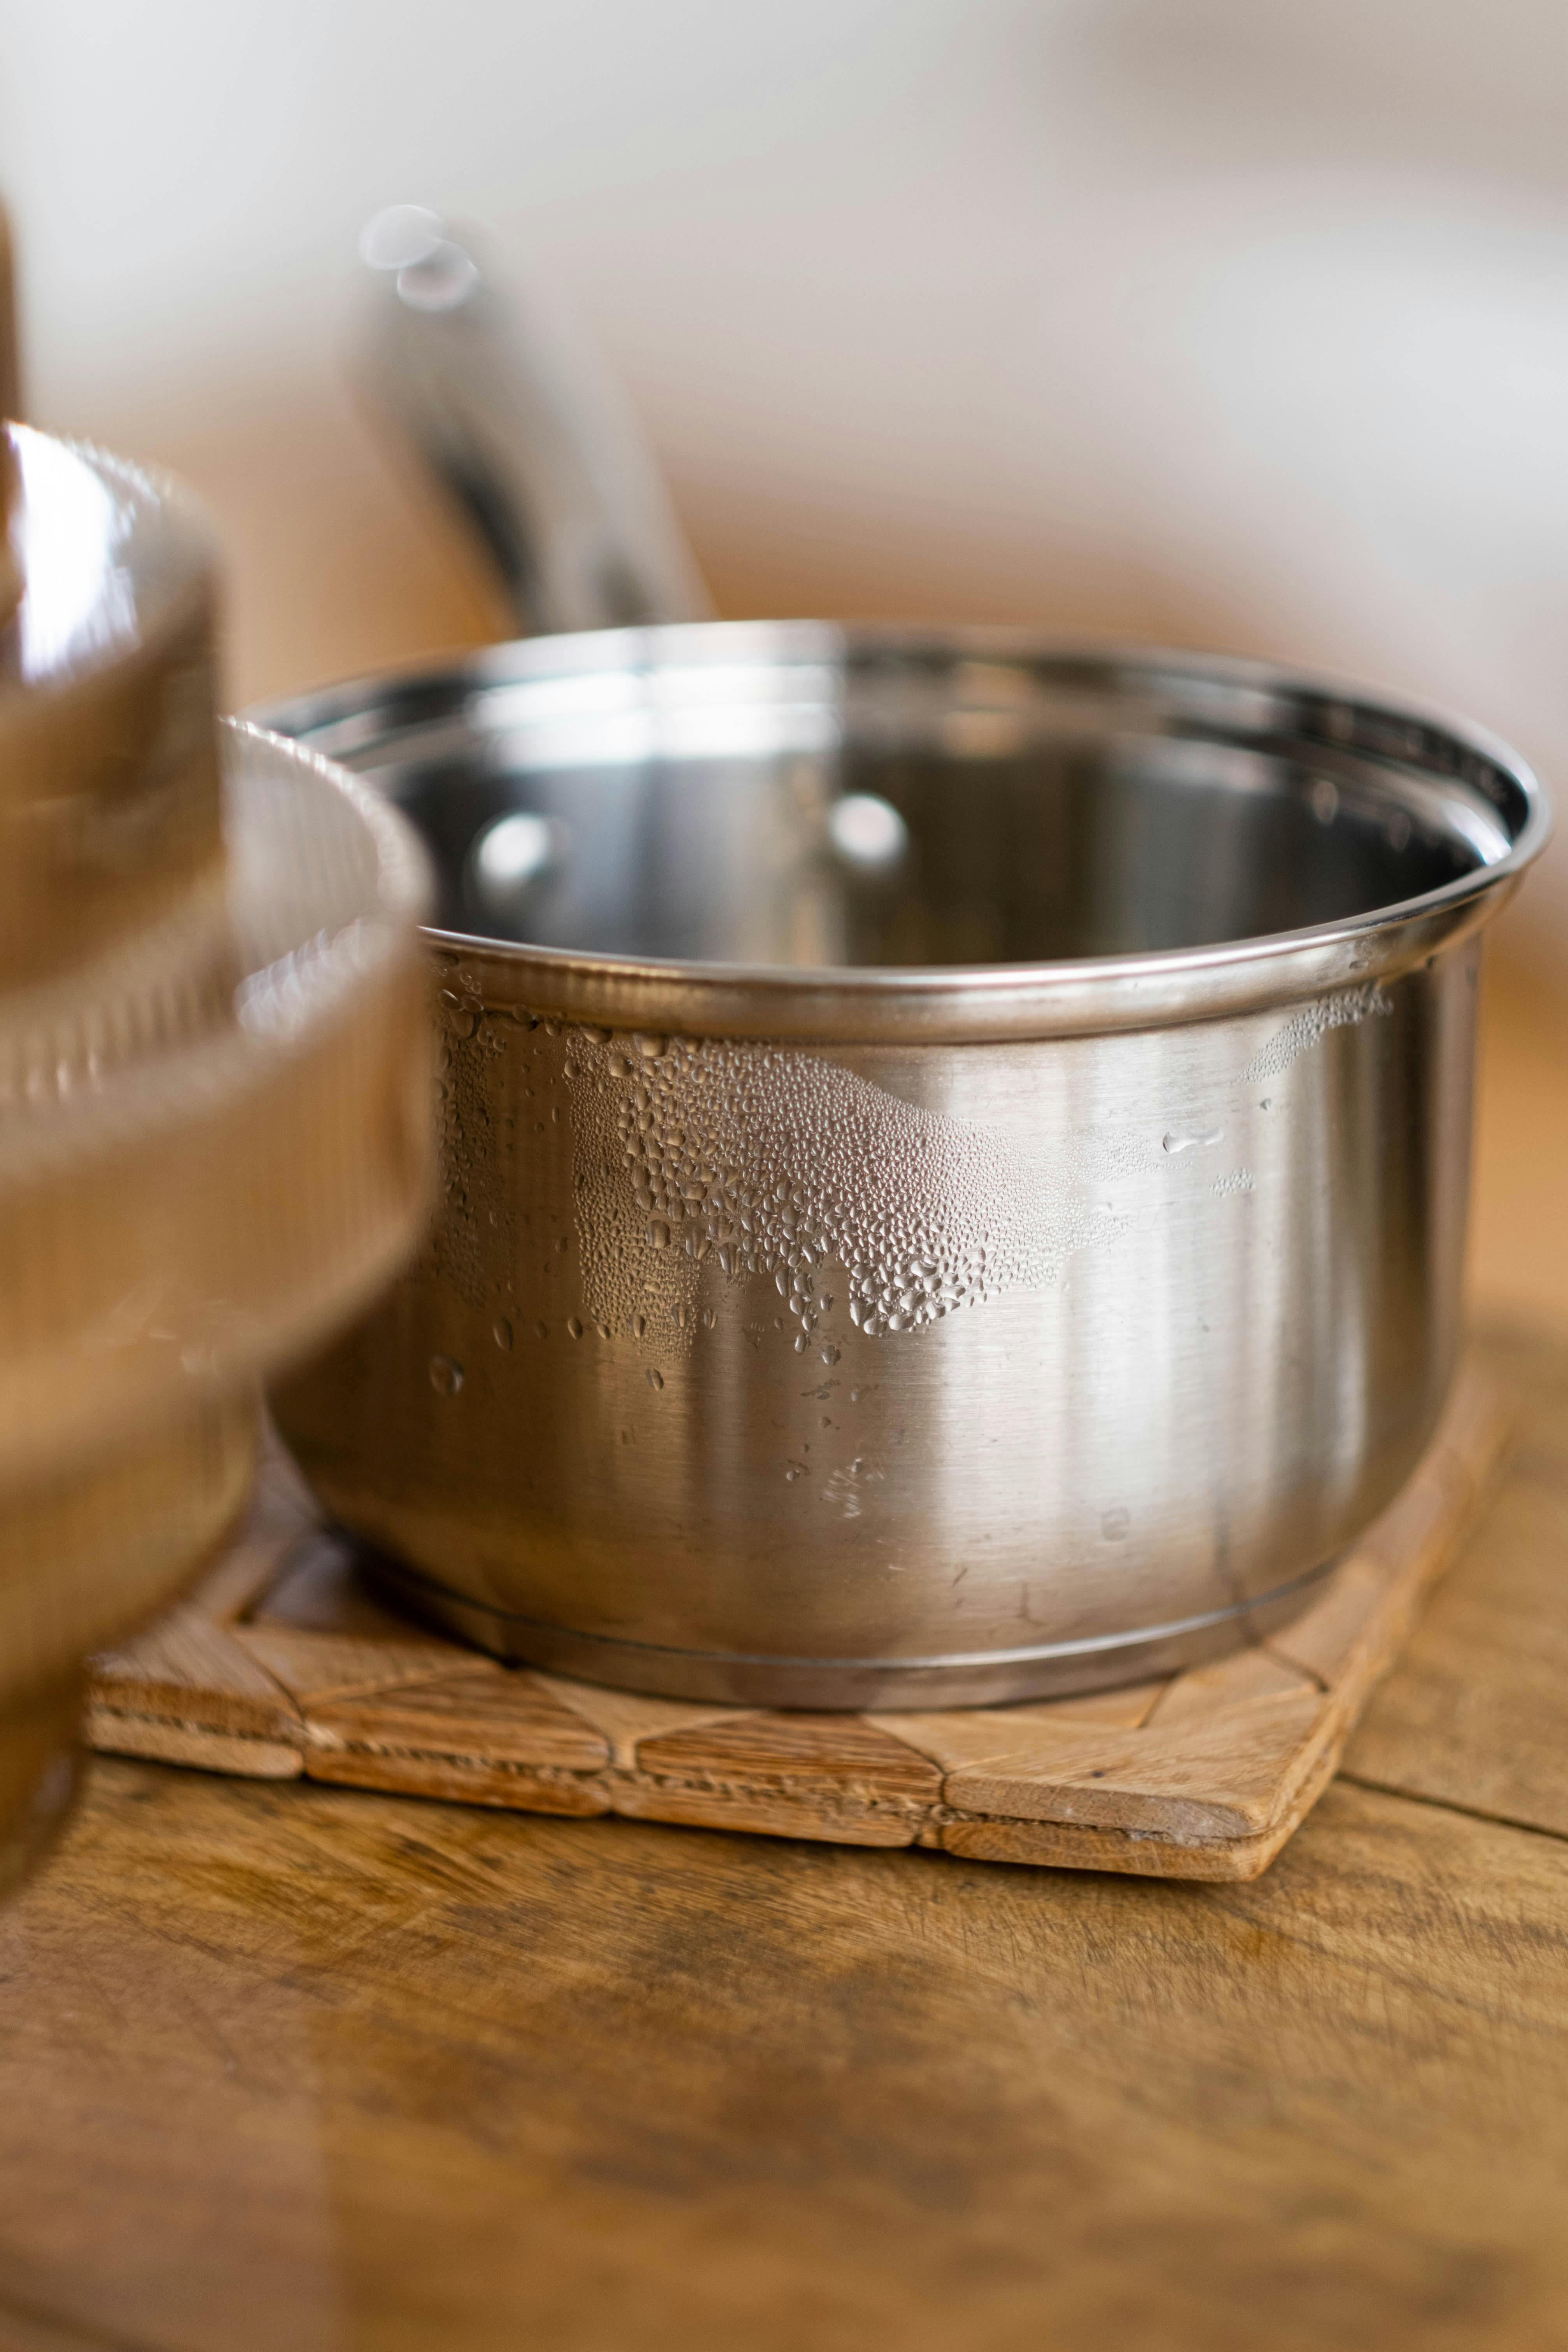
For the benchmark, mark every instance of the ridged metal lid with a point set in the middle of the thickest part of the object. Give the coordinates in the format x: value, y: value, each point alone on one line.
x: 189, y: 1221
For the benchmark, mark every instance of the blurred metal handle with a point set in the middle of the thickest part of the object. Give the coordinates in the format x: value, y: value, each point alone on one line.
x: 526, y: 434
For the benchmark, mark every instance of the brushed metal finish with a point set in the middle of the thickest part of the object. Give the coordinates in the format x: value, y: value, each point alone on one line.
x: 813, y: 1318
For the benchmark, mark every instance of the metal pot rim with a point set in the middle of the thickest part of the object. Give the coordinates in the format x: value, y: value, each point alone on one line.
x: 1226, y: 699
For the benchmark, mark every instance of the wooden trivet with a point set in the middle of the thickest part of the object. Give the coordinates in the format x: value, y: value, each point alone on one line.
x: 282, y: 1662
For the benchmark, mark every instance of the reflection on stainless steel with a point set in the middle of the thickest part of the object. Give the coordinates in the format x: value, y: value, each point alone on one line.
x: 525, y: 433
x: 1017, y: 1268
x: 867, y: 833
x: 508, y: 864
x: 109, y: 762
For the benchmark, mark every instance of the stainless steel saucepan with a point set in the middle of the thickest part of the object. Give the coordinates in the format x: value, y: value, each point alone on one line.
x: 956, y: 1149
x: 955, y: 1152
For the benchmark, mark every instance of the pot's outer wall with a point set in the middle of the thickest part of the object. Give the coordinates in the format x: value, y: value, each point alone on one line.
x: 1222, y: 1313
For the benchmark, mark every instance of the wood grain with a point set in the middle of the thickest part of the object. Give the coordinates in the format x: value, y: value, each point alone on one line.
x: 1476, y: 1717
x: 311, y: 2067
x: 120, y: 1733
x: 495, y: 1739
x: 854, y: 1781
x: 1225, y: 1774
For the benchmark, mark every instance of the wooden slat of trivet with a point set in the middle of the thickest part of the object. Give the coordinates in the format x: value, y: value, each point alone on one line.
x: 282, y: 1663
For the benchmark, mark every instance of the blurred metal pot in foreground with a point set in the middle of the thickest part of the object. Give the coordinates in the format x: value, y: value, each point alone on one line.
x: 213, y: 1085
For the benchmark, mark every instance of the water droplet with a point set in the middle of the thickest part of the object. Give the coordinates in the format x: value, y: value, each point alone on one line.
x: 639, y: 1325
x: 542, y: 1330
x: 655, y: 1380
x: 501, y: 1332
x: 1175, y: 1141
x: 460, y: 1016
x: 446, y: 1376
x: 574, y: 1327
x: 770, y: 1162
x: 830, y: 1355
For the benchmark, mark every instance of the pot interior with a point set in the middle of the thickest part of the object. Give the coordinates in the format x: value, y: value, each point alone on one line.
x: 910, y: 804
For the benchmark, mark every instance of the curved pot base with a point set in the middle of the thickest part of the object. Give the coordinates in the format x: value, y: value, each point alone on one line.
x: 1051, y: 1670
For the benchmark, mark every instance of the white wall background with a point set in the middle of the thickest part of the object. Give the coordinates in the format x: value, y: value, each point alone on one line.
x: 1229, y: 321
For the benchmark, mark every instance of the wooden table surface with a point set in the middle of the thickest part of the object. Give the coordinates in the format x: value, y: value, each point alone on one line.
x: 301, y: 2067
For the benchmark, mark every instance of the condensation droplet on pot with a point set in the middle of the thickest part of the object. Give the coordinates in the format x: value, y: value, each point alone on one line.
x: 446, y: 1376
x: 574, y: 1327
x: 657, y: 1233
x: 708, y: 1138
x: 639, y: 1325
x: 542, y: 1330
x: 830, y: 1355
x: 655, y: 1380
x: 460, y: 1016
x: 501, y: 1331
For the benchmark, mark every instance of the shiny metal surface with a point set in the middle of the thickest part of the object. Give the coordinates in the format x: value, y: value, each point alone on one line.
x: 1017, y: 1262
x: 515, y: 419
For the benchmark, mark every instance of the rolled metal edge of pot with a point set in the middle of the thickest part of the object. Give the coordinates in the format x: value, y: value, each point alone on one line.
x: 1228, y: 700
